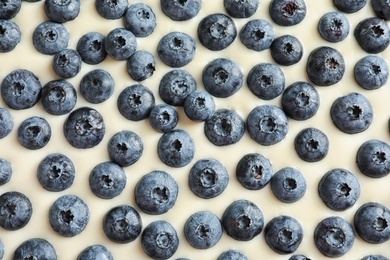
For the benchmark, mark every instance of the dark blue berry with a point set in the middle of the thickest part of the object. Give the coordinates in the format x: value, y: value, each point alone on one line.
x: 232, y: 255
x: 140, y: 20
x: 333, y: 26
x: 372, y: 158
x: 267, y: 124
x: 208, y: 178
x: 6, y: 122
x: 1, y: 250
x: 373, y: 35
x: 56, y: 172
x: 107, y: 180
x: 5, y: 171
x: 372, y: 223
x: 217, y: 31
x: 381, y: 9
x: 257, y: 35
x: 122, y: 224
x: 349, y: 6
x: 95, y: 252
x: 50, y: 38
x: 352, y: 113
x: 375, y: 257
x: 58, y: 97
x: 311, y: 144
x: 62, y: 11
x: 163, y: 118
x: 141, y: 65
x: 181, y: 10
x: 21, y: 89
x: 199, y: 106
x: 91, y: 48
x: 288, y: 185
x: 35, y: 248
x: 286, y: 50
x: 67, y: 63
x: 10, y: 8
x: 125, y: 148
x: 120, y: 44
x: 371, y: 72
x: 84, y: 128
x: 254, y: 171
x: 34, y: 133
x: 111, y: 9
x: 10, y: 35
x: 222, y: 77
x: 15, y: 210
x: 241, y: 9
x: 175, y: 86
x: 69, y: 215
x: 299, y: 257
x: 97, y: 86
x: 287, y: 12
x: 225, y: 127
x: 176, y: 148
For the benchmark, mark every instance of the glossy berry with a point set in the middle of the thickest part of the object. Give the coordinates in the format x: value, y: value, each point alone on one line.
x: 372, y: 158
x: 232, y: 255
x: 120, y: 44
x: 15, y: 210
x: 254, y: 171
x: 175, y: 86
x: 140, y: 19
x: 5, y: 171
x: 381, y: 9
x: 288, y: 185
x: 181, y: 10
x: 241, y: 9
x: 67, y: 63
x: 97, y: 86
x: 10, y: 9
x: 58, y: 97
x: 257, y: 34
x: 333, y: 26
x: 371, y: 72
x: 91, y: 48
x: 6, y: 122
x: 125, y: 148
x: 10, y: 35
x: 107, y: 180
x: 141, y: 65
x: 373, y: 35
x: 35, y: 248
x: 349, y: 6
x: 287, y: 12
x: 62, y: 11
x: 199, y: 106
x: 50, y: 38
x: 286, y: 50
x: 34, y: 133
x: 95, y: 252
x: 111, y: 9
x: 163, y: 118
x: 311, y: 144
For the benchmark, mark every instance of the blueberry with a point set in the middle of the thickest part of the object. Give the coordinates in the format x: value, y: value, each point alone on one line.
x: 287, y: 12
x: 299, y: 257
x: 5, y: 171
x: 15, y: 210
x: 208, y: 178
x: 141, y: 65
x: 333, y: 26
x: 111, y: 9
x: 371, y: 72
x: 6, y: 122
x: 222, y: 77
x: 107, y: 180
x: 175, y: 86
x: 122, y: 224
x: 375, y: 257
x: 283, y: 234
x: 372, y: 222
x: 125, y: 148
x: 135, y: 102
x: 217, y: 31
x: 163, y: 118
x: 91, y: 48
x: 97, y: 86
x: 352, y: 113
x: 67, y: 63
x: 241, y: 9
x: 1, y: 250
x: 288, y: 185
x: 10, y: 35
x: 254, y: 171
x: 84, y: 128
x: 21, y: 89
x: 225, y: 127
x: 56, y: 172
x: 349, y: 6
x: 140, y: 19
x: 266, y: 81
x: 95, y: 252
x: 232, y: 255
x: 10, y: 8
x: 159, y: 240
x: 34, y: 133
x: 339, y: 189
x: 176, y: 148
x: 203, y: 229
x: 373, y: 35
x: 372, y: 158
x: 181, y: 10
x: 311, y: 144
x: 286, y: 50
x: 243, y: 220
x: 300, y: 101
x: 69, y: 215
x: 176, y: 49
x: 257, y: 34
x: 58, y: 97
x: 35, y: 248
x: 199, y: 106
x: 325, y: 66
x: 50, y: 38
x: 267, y: 124
x: 381, y: 9
x: 62, y: 11
x: 120, y: 43
x: 334, y: 236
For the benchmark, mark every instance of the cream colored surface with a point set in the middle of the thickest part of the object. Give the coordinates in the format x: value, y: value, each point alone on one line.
x: 309, y: 210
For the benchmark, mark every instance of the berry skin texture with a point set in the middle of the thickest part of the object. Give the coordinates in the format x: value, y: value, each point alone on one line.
x: 34, y: 133
x: 372, y: 223
x: 375, y: 257
x: 241, y: 9
x: 179, y: 10
x: 1, y: 250
x: 373, y: 35
x: 35, y: 248
x: 69, y: 215
x: 10, y: 9
x: 97, y: 86
x: 6, y: 122
x: 91, y: 48
x: 175, y: 86
x: 159, y: 240
x: 156, y: 193
x: 58, y: 97
x: 381, y: 9
x: 371, y: 72
x: 225, y: 127
x: 287, y: 12
x: 163, y: 118
x: 286, y: 50
x: 176, y: 148
x: 257, y: 34
x: 21, y: 89
x: 349, y: 6
x: 111, y: 9
x: 299, y: 257
x: 222, y: 77
x: 283, y: 234
x: 84, y: 128
x: 122, y: 224
x: 140, y: 20
x: 325, y: 66
x: 288, y: 185
x: 5, y: 171
x: 311, y: 144
x: 50, y: 38
x: 15, y: 210
x: 232, y: 255
x: 125, y: 148
x: 62, y: 11
x: 56, y: 172
x: 120, y: 44
x: 203, y: 229
x: 67, y: 63
x: 199, y: 106
x: 217, y: 31
x: 334, y: 236
x: 243, y: 220
x: 141, y: 65
x: 339, y: 189
x: 10, y: 36
x: 333, y: 26
x: 352, y: 113
x: 267, y: 124
x: 254, y: 171
x: 372, y: 158
x: 95, y: 252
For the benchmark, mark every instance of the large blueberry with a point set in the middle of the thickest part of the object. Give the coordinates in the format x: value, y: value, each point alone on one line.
x: 120, y: 44
x: 50, y: 37
x: 286, y: 50
x: 58, y: 97
x: 381, y: 8
x: 372, y: 158
x: 10, y: 9
x: 95, y: 252
x: 67, y: 63
x: 5, y: 171
x: 97, y: 86
x: 35, y: 248
x: 241, y: 9
x: 107, y: 180
x: 34, y: 133
x: 91, y: 48
x: 15, y: 210
x: 349, y: 6
x: 141, y: 65
x: 232, y: 254
x: 333, y: 26
x: 371, y: 72
x: 257, y: 34
x: 181, y: 10
x: 254, y: 171
x: 6, y: 122
x: 311, y: 144
x: 373, y: 34
x: 125, y: 148
x: 288, y: 185
x: 111, y: 9
x: 62, y: 11
x: 140, y: 19
x: 199, y: 106
x: 10, y: 35
x: 287, y: 12
x: 163, y: 118
x: 175, y: 86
